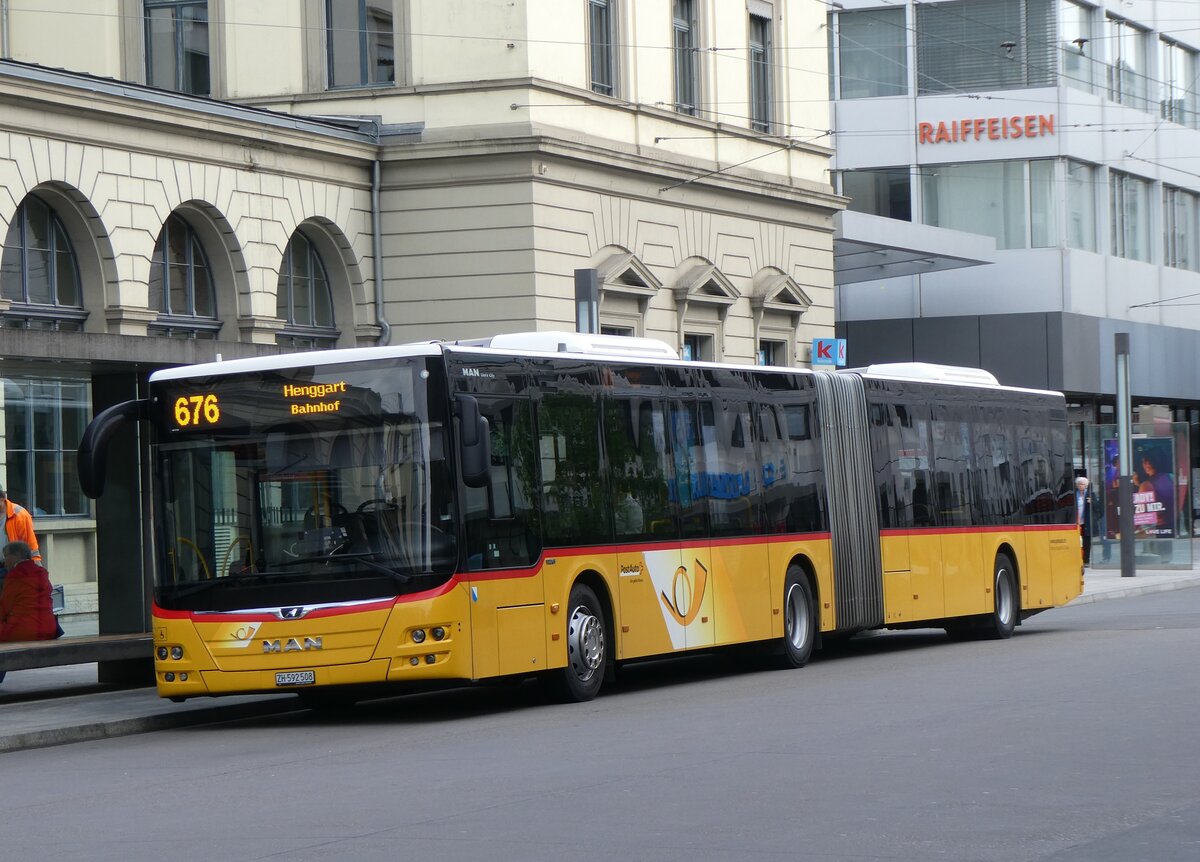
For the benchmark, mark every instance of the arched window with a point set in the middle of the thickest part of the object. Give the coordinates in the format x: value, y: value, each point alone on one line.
x: 304, y: 300
x: 39, y: 273
x: 181, y: 283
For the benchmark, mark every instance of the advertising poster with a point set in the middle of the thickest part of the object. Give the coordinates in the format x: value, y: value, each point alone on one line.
x: 1154, y: 497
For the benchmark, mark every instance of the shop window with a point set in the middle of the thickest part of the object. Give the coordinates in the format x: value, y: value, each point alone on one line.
x: 304, y: 300
x: 39, y: 272
x: 361, y: 42
x: 44, y: 420
x: 177, y: 45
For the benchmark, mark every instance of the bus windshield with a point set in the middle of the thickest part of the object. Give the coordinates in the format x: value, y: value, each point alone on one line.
x: 314, y: 485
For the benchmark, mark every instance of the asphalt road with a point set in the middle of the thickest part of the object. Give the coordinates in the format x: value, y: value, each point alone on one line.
x: 1076, y: 741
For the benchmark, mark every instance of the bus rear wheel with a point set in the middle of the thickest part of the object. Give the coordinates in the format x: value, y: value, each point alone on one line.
x: 1001, y: 622
x: 799, y: 620
x: 587, y: 648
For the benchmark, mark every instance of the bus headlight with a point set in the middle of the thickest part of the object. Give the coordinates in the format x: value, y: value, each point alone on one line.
x: 177, y: 652
x: 418, y: 636
x: 161, y: 652
x: 438, y: 633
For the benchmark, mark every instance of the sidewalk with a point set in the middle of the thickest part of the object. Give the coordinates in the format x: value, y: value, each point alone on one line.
x: 55, y: 706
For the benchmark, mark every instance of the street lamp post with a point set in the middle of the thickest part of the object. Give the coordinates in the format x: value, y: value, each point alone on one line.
x: 1125, y: 450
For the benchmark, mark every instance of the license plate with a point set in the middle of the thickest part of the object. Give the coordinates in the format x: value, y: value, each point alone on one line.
x: 296, y: 677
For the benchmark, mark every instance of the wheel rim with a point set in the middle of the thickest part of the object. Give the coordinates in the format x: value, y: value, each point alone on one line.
x: 1004, y: 597
x: 585, y: 643
x: 796, y: 622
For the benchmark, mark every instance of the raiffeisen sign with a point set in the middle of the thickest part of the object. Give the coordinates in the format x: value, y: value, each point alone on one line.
x: 986, y: 129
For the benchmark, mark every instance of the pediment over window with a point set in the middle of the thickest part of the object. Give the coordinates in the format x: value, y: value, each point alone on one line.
x: 622, y: 272
x: 777, y: 291
x: 704, y: 283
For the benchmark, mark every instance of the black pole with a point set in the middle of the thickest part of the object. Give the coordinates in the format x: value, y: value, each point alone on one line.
x: 1125, y: 447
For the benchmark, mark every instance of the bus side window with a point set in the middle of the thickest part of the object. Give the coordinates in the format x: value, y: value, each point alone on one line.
x: 501, y: 518
x: 636, y: 443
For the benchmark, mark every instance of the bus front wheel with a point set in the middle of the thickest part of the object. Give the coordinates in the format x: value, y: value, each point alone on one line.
x: 587, y: 647
x: 1001, y: 622
x: 799, y: 620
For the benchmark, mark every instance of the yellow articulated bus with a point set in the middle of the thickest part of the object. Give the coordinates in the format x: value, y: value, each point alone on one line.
x: 556, y: 504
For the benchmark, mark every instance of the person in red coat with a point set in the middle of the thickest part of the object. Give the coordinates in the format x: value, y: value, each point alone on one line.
x: 26, y: 612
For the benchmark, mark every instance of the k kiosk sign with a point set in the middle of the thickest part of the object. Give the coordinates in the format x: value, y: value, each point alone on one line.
x: 829, y: 351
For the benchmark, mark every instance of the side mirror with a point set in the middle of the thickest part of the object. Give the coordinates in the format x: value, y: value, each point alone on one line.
x: 92, y: 457
x: 475, y: 442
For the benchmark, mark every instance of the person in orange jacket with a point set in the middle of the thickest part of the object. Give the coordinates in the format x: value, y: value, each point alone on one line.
x: 18, y: 525
x: 26, y: 609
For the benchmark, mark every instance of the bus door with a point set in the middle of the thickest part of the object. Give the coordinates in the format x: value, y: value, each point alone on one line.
x: 645, y: 526
x: 687, y: 597
x: 740, y: 575
x: 962, y: 581
x: 501, y: 525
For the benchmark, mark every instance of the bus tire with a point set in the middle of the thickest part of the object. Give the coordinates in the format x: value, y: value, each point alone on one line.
x: 587, y: 648
x: 799, y: 620
x: 1001, y: 622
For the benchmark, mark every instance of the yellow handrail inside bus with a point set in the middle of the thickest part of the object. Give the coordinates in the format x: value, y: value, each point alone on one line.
x: 229, y: 551
x: 199, y: 555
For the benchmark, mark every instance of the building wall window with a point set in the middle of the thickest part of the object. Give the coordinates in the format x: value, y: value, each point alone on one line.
x: 177, y: 45
x: 698, y: 348
x: 1081, y: 206
x: 872, y: 53
x: 38, y: 272
x: 1076, y: 44
x: 44, y: 420
x: 304, y: 300
x: 772, y: 353
x: 361, y: 43
x: 1126, y: 67
x: 181, y: 283
x: 1181, y: 228
x: 997, y: 45
x: 1180, y: 100
x: 1012, y: 201
x: 687, y: 78
x: 602, y: 46
x: 1129, y: 215
x: 886, y: 192
x: 762, y: 72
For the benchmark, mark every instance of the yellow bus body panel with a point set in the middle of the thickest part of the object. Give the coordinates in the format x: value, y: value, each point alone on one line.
x: 663, y: 600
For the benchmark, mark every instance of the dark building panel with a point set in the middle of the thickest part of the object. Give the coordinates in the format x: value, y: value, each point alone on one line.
x: 870, y: 341
x: 947, y: 340
x: 1014, y: 348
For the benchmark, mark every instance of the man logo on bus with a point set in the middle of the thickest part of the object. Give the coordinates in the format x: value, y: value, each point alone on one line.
x: 686, y: 599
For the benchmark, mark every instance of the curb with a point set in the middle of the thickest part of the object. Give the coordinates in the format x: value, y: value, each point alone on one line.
x: 145, y: 724
x: 1135, y: 590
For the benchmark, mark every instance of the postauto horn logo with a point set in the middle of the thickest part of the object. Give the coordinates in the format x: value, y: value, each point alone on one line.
x: 686, y: 597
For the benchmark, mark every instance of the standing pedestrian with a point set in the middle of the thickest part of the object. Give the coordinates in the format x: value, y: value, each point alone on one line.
x: 1083, y: 517
x: 18, y: 525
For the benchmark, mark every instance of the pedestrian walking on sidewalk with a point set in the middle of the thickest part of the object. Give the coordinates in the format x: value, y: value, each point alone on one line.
x: 1083, y: 516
